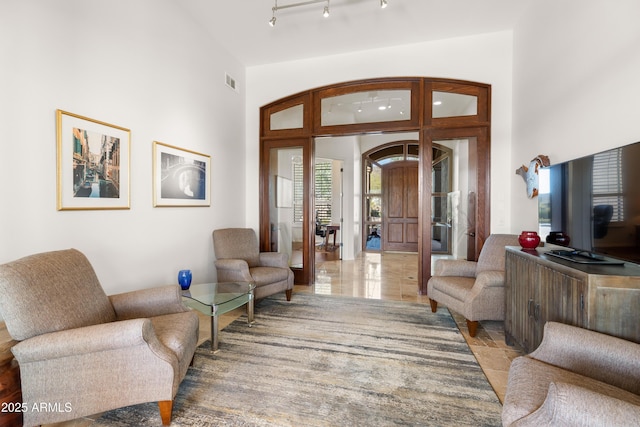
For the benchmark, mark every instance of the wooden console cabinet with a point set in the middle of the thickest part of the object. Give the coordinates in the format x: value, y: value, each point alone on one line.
x: 541, y: 288
x: 10, y: 393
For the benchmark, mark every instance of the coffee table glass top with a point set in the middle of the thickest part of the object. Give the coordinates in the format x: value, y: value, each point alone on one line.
x: 218, y: 298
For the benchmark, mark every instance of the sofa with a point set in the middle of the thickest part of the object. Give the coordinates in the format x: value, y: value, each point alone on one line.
x: 575, y: 377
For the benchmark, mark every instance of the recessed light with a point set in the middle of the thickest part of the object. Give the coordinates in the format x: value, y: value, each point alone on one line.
x: 437, y: 102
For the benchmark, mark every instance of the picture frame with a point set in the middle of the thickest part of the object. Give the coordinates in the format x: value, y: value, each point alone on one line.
x: 93, y: 163
x: 181, y: 177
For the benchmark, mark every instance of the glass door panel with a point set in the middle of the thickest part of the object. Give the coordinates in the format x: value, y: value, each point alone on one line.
x: 449, y: 197
x: 286, y: 203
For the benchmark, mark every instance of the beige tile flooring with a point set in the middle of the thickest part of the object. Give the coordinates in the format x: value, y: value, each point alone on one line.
x: 388, y: 276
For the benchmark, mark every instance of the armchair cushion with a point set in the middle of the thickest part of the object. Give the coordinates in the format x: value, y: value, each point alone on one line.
x: 456, y: 287
x: 265, y: 275
x: 70, y: 297
x: 237, y: 243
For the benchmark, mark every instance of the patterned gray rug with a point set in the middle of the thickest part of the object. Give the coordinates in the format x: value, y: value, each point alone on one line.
x: 331, y: 361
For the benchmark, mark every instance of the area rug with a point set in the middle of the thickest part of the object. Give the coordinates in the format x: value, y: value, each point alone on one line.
x: 331, y: 361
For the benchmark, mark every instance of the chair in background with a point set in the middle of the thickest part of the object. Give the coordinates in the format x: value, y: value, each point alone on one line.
x: 91, y: 351
x: 602, y: 215
x: 238, y: 259
x: 576, y: 377
x: 473, y: 289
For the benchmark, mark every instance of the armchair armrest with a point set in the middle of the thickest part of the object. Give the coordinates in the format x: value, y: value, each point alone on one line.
x: 274, y: 259
x: 233, y: 270
x: 455, y: 267
x: 602, y: 357
x: 568, y: 404
x: 489, y: 279
x: 90, y: 339
x: 147, y: 302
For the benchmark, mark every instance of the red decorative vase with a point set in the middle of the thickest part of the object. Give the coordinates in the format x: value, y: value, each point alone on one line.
x: 529, y: 239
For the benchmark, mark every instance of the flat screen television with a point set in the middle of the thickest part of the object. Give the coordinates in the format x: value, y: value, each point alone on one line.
x: 595, y: 201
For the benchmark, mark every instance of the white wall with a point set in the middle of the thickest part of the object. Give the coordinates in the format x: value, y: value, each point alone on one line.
x: 342, y: 149
x: 142, y: 65
x: 485, y: 58
x: 576, y: 86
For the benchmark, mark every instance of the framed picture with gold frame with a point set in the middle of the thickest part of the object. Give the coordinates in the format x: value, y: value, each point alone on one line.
x: 93, y: 163
x: 180, y: 177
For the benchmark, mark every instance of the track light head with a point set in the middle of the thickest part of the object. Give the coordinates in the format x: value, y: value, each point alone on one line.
x: 326, y: 12
x: 272, y: 21
x: 383, y: 4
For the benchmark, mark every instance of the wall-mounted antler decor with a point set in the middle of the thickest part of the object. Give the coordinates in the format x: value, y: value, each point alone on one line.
x: 530, y: 174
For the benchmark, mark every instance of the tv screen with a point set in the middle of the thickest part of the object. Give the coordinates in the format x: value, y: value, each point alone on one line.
x: 595, y: 201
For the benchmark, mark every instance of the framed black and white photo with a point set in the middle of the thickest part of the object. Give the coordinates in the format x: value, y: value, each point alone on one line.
x: 180, y: 177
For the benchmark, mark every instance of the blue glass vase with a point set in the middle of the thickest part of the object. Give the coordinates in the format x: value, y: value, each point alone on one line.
x: 184, y: 279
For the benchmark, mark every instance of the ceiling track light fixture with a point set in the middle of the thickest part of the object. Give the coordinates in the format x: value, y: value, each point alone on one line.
x: 325, y: 12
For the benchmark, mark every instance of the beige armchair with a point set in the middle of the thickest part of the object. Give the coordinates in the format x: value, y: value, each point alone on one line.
x: 238, y: 259
x: 83, y: 352
x: 575, y: 377
x: 473, y: 289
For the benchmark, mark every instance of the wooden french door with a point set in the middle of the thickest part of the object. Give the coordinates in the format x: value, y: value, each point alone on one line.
x: 401, y: 207
x: 436, y: 108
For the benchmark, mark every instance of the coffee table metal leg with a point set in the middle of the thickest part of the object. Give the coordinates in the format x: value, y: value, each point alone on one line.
x: 214, y: 333
x: 250, y: 309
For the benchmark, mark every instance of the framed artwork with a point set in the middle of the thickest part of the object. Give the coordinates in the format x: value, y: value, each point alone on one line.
x: 93, y: 163
x: 284, y: 192
x: 180, y: 177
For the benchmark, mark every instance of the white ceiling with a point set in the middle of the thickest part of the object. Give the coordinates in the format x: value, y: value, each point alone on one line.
x: 241, y: 26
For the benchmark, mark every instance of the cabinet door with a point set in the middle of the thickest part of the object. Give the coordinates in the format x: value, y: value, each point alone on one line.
x: 520, y: 284
x: 560, y: 298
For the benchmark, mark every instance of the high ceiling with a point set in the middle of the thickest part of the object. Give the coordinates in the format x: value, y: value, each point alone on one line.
x: 241, y: 26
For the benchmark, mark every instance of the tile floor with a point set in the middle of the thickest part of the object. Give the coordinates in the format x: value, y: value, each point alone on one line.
x: 388, y: 276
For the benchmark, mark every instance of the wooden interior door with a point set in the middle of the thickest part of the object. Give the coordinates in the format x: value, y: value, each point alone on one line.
x: 400, y: 207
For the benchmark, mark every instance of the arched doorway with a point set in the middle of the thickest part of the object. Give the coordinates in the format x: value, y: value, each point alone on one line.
x: 436, y: 110
x: 391, y: 200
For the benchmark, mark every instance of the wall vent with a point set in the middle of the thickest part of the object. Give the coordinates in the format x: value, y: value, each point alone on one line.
x: 231, y: 82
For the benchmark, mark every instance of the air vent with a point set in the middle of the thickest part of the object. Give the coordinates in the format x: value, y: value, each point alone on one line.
x: 230, y: 81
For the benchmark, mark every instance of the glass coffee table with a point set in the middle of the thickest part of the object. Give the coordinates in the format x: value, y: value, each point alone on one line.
x: 214, y: 299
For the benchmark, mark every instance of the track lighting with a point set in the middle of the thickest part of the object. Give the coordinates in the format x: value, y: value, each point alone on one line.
x: 272, y: 21
x: 325, y: 12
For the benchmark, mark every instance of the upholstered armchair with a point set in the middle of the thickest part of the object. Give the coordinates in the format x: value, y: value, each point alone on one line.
x: 87, y: 352
x: 473, y: 289
x: 238, y: 259
x: 576, y: 377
